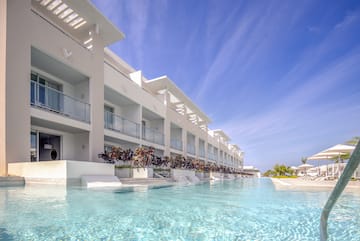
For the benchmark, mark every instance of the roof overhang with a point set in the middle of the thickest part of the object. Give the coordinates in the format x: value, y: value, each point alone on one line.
x: 163, y: 83
x: 84, y: 10
x: 222, y: 134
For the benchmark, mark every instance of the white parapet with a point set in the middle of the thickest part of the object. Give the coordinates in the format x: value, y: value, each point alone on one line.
x: 216, y: 176
x: 184, y: 176
x: 142, y: 172
x: 59, y: 172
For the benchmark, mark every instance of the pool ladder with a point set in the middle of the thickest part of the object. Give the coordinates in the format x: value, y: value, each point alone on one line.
x: 339, y: 188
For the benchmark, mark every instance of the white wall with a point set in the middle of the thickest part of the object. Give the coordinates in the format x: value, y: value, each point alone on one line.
x: 3, y: 151
x: 17, y: 123
x: 128, y: 88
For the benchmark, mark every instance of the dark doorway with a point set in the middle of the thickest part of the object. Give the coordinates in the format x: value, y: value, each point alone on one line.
x: 49, y: 147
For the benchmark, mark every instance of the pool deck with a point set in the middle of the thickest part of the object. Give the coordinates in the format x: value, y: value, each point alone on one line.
x: 301, y: 184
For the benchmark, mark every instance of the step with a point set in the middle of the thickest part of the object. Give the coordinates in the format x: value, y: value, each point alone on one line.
x: 12, y: 181
x: 95, y: 181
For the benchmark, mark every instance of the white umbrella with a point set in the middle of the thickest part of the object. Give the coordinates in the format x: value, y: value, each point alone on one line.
x: 305, y: 166
x: 333, y: 153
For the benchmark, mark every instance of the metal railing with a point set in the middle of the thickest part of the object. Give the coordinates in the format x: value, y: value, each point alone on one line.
x: 339, y: 188
x: 117, y: 123
x: 190, y: 149
x: 153, y: 136
x: 56, y: 101
x: 176, y: 144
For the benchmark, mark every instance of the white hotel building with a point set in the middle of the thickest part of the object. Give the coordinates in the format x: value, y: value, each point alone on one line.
x: 62, y: 89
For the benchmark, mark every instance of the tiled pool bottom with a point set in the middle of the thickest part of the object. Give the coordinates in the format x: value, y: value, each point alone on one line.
x: 248, y: 209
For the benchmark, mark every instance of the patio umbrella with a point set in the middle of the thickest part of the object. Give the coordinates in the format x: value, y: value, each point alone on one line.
x: 305, y: 167
x: 333, y: 153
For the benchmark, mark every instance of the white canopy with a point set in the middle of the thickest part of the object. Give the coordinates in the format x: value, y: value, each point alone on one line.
x: 305, y: 166
x: 333, y: 152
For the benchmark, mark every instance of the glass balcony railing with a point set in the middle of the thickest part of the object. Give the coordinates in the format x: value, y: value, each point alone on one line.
x: 190, y: 149
x: 56, y: 101
x: 176, y: 144
x: 120, y: 124
x: 153, y: 136
x: 201, y: 152
x: 212, y: 156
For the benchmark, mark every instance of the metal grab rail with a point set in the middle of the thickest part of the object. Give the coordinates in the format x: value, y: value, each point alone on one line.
x: 339, y: 188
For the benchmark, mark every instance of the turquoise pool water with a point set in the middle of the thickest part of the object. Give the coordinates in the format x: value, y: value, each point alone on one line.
x: 249, y: 209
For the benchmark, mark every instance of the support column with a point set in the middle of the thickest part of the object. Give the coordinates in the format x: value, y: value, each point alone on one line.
x: 167, y: 125
x: 15, y: 64
x: 3, y: 162
x: 96, y: 89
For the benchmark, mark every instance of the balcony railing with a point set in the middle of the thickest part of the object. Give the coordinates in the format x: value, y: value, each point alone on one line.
x: 153, y: 136
x: 176, y: 144
x: 56, y: 101
x: 120, y: 124
x: 201, y: 152
x: 212, y: 156
x: 190, y: 149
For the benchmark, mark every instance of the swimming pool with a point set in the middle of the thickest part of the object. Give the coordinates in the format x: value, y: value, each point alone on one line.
x: 247, y: 209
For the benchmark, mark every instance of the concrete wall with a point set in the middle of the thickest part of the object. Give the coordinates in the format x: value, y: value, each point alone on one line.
x: 59, y: 171
x: 131, y: 90
x: 19, y: 30
x: 76, y: 169
x: 142, y: 173
x: 48, y: 170
x: 3, y: 23
x: 181, y: 172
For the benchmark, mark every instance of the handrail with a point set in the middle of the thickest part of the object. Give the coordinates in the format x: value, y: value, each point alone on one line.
x: 339, y: 188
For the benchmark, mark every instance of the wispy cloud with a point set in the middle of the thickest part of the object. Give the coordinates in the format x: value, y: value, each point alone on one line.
x: 258, y: 28
x: 348, y: 19
x: 299, y: 111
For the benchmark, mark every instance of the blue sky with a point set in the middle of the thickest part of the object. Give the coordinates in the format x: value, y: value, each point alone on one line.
x: 282, y: 78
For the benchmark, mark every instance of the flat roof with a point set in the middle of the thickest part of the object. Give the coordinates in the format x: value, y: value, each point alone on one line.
x: 222, y: 134
x: 164, y: 83
x: 82, y: 10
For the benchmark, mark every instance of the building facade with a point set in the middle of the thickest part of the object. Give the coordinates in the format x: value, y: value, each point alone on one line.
x: 65, y: 96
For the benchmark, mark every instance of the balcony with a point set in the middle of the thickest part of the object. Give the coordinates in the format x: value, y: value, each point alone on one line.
x: 190, y: 149
x: 153, y: 136
x: 55, y: 101
x: 201, y: 153
x: 117, y: 123
x: 176, y: 144
x: 212, y: 156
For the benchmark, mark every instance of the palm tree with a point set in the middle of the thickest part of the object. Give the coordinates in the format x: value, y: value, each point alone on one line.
x: 303, y: 160
x: 354, y: 141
